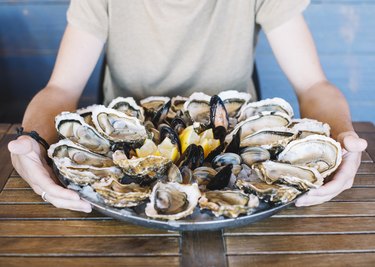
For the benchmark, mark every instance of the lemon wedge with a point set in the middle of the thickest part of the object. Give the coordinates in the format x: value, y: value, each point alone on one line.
x: 148, y: 148
x: 187, y: 137
x: 168, y: 150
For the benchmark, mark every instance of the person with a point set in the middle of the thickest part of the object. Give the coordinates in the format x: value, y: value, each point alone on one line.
x: 179, y: 47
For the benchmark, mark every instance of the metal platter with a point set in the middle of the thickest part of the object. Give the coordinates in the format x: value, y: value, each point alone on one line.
x: 198, y: 221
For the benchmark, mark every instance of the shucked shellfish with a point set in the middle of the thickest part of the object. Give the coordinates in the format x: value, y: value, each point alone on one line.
x: 172, y: 201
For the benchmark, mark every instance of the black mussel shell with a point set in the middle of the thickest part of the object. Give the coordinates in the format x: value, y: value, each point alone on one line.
x: 161, y: 114
x: 221, y: 179
x: 218, y: 117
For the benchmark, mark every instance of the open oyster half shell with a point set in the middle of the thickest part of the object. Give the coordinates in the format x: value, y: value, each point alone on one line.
x: 229, y: 203
x: 317, y: 151
x: 303, y: 178
x: 121, y: 195
x: 172, y: 201
x: 80, y: 165
x: 117, y: 126
x: 73, y: 126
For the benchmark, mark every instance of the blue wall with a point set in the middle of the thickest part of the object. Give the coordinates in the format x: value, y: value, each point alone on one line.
x: 344, y: 30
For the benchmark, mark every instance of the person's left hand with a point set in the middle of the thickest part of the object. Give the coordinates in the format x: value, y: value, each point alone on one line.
x: 344, y: 176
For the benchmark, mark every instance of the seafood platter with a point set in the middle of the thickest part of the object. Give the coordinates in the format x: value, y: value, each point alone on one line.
x: 192, y: 163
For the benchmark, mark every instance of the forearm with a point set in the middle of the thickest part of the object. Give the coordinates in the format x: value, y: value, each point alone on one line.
x: 324, y: 102
x: 41, y: 111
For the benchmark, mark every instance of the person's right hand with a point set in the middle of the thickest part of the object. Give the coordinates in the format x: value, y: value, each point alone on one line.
x: 30, y: 163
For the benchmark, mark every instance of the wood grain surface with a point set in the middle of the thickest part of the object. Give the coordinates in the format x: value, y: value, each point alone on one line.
x: 337, y: 233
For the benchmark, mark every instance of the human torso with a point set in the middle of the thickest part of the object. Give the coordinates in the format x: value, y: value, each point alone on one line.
x: 179, y: 47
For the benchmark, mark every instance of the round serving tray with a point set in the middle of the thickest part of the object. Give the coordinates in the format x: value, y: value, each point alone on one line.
x: 198, y: 221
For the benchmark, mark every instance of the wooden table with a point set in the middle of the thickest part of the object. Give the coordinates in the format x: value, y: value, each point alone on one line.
x: 338, y: 233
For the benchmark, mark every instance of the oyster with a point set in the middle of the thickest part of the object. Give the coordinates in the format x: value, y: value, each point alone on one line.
x: 308, y: 127
x: 86, y: 113
x: 172, y: 201
x: 274, y: 193
x: 153, y: 104
x: 121, y: 195
x: 72, y: 126
x: 198, y: 107
x: 128, y: 106
x: 177, y: 104
x: 80, y: 165
x: 233, y: 101
x: 118, y: 127
x: 317, y: 151
x: 251, y: 155
x: 143, y: 170
x: 301, y: 177
x: 77, y: 154
x: 271, y: 104
x: 258, y: 122
x: 228, y: 203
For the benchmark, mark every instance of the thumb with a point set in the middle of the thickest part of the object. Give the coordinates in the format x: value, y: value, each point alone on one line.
x: 21, y: 146
x: 351, y: 142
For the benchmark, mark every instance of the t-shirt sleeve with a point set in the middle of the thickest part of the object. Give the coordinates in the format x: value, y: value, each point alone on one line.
x: 273, y: 13
x: 90, y: 16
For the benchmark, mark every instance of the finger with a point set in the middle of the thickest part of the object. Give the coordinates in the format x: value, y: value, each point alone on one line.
x: 59, y: 192
x: 354, y: 144
x: 21, y: 146
x: 308, y: 200
x: 77, y: 205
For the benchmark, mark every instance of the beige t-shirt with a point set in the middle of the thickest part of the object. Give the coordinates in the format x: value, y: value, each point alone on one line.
x: 177, y: 47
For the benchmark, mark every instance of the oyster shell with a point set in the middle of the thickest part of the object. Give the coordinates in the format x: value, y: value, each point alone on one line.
x: 258, y: 122
x: 317, y: 151
x: 301, y: 177
x: 80, y: 165
x: 177, y: 104
x: 77, y: 154
x: 86, y: 113
x: 233, y: 101
x: 251, y: 155
x: 228, y: 203
x: 143, y: 170
x: 274, y: 193
x: 128, y: 106
x: 72, y: 126
x: 198, y: 107
x: 269, y: 138
x: 308, y: 127
x: 271, y: 104
x: 121, y: 195
x: 172, y: 201
x: 152, y: 104
x: 118, y: 127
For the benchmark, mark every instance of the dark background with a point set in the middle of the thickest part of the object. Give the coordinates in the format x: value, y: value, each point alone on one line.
x: 344, y: 31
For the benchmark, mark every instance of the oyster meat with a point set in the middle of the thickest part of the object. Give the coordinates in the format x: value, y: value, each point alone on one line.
x: 233, y: 101
x: 143, y: 170
x: 128, y: 106
x: 275, y: 193
x: 271, y: 104
x: 269, y: 138
x: 303, y: 178
x: 120, y: 195
x: 118, y: 127
x: 198, y: 107
x: 228, y: 203
x: 317, y: 151
x: 308, y: 127
x: 72, y: 126
x: 172, y: 201
x: 80, y: 165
